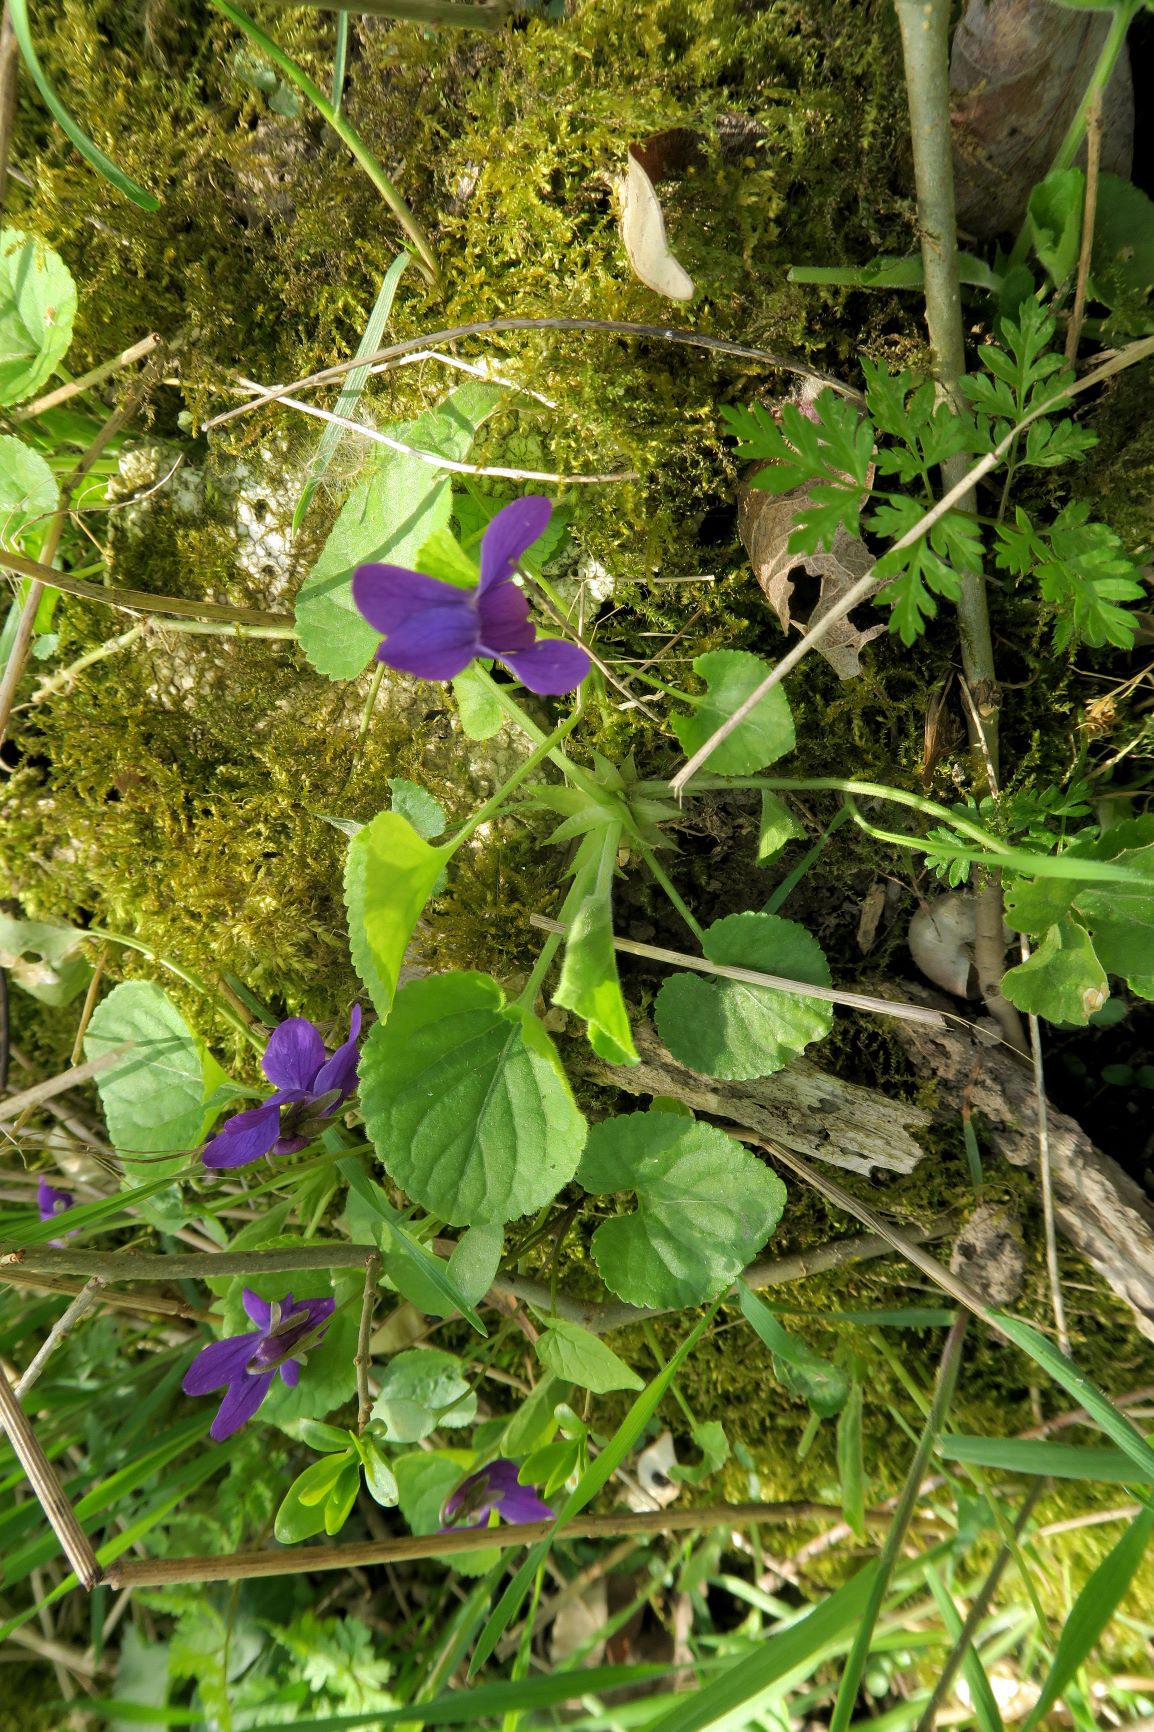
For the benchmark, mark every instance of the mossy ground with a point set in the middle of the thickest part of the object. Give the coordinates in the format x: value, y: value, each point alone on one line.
x: 190, y: 815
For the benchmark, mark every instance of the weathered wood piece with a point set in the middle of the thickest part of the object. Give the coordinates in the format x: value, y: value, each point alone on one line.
x: 1098, y: 1207
x: 802, y: 1106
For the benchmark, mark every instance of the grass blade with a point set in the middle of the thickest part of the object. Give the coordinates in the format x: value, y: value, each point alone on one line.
x: 354, y: 384
x: 800, y: 1644
x: 104, y: 165
x: 851, y: 1461
x: 340, y: 61
x: 1051, y: 1460
x: 1075, y: 1382
x: 985, y: 1705
x: 1092, y: 1611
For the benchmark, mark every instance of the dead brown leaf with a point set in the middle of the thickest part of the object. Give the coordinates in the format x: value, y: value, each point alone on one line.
x: 765, y: 522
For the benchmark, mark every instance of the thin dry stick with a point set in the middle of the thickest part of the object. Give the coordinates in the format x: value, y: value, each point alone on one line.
x: 63, y: 1326
x: 143, y: 1304
x: 201, y: 1266
x: 96, y: 376
x: 1089, y: 214
x: 753, y: 977
x: 1117, y: 362
x: 12, y: 1108
x: 1045, y: 1170
x: 989, y: 910
x: 482, y: 327
x: 301, y: 1560
x: 979, y: 1606
x: 89, y: 1005
x: 437, y: 462
x: 45, y: 1482
x: 364, y: 1357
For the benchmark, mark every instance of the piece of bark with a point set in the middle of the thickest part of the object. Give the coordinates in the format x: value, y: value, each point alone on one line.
x: 765, y: 522
x: 1097, y: 1206
x: 802, y: 1106
x: 1018, y: 70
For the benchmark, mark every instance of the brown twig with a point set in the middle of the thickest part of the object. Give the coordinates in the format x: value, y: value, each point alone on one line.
x: 45, y: 1482
x: 363, y: 1357
x: 301, y: 1560
x: 140, y: 600
x: 95, y: 376
x: 143, y: 1304
x: 63, y: 1326
x: 12, y: 1108
x: 1089, y: 215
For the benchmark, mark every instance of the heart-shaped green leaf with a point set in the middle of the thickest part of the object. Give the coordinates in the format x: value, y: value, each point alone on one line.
x: 466, y: 1103
x: 390, y: 873
x: 154, y: 1096
x: 583, y: 1358
x: 420, y: 1390
x: 37, y: 309
x: 726, y: 1028
x: 705, y: 1207
x: 1063, y: 980
x: 765, y: 735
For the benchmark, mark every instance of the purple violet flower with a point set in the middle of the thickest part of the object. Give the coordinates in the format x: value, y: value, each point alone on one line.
x: 309, y: 1088
x: 51, y: 1203
x: 248, y: 1364
x: 434, y: 630
x: 495, y: 1487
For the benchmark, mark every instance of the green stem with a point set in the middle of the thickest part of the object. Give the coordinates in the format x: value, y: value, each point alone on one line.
x: 925, y: 30
x: 224, y: 1008
x: 370, y: 703
x: 546, y: 747
x: 513, y: 712
x: 347, y: 134
x: 340, y: 60
x: 527, y: 998
x: 669, y: 888
x: 895, y: 1539
x: 185, y: 1265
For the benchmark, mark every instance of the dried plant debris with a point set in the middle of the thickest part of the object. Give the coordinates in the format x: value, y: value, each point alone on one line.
x: 988, y: 1255
x: 941, y: 940
x: 643, y: 225
x: 765, y: 522
x: 1017, y: 73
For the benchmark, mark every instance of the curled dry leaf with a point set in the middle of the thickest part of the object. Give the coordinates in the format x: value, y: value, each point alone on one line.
x: 941, y: 939
x: 643, y: 234
x: 1018, y: 69
x: 765, y: 522
x: 654, y: 1489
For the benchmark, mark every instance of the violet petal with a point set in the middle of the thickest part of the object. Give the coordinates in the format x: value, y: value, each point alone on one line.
x: 259, y: 1310
x: 551, y: 667
x: 290, y: 1372
x: 389, y: 595
x: 294, y: 1054
x: 340, y: 1072
x: 244, y: 1138
x: 219, y: 1363
x: 512, y: 531
x: 435, y: 645
x: 504, y: 623
x: 243, y: 1398
x: 522, y: 1504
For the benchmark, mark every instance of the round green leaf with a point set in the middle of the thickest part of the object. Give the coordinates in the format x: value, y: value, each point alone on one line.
x: 1063, y: 980
x: 765, y: 735
x: 583, y: 1358
x: 705, y: 1207
x: 28, y: 489
x: 725, y: 1028
x: 37, y: 308
x: 466, y: 1103
x: 420, y: 1390
x: 153, y: 1097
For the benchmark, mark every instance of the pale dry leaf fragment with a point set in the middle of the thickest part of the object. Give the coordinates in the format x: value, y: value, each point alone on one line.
x: 988, y: 1254
x: 581, y: 1620
x: 654, y: 1488
x: 643, y: 235
x: 941, y: 938
x: 765, y: 522
x: 872, y: 908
